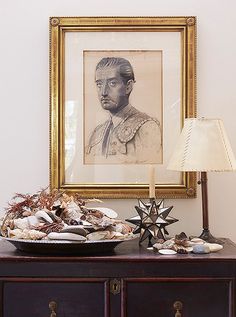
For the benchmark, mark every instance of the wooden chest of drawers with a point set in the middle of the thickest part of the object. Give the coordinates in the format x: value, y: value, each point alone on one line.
x: 131, y: 282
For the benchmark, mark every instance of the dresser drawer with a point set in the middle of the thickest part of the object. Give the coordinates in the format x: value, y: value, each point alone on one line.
x: 157, y: 297
x: 73, y: 297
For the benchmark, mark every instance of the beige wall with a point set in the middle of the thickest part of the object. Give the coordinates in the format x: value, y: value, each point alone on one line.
x: 24, y: 95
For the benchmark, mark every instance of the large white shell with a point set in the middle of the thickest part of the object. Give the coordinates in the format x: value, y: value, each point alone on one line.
x: 21, y: 223
x: 65, y: 236
x: 26, y: 222
x: 42, y: 214
x: 107, y: 211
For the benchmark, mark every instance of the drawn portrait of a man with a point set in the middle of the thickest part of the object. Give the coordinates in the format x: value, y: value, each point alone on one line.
x: 124, y: 134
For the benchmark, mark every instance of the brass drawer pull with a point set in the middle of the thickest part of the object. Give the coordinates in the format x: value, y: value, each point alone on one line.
x: 53, y: 306
x: 178, y: 306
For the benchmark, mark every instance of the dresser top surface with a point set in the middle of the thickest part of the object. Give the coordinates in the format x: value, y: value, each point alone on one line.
x: 127, y: 251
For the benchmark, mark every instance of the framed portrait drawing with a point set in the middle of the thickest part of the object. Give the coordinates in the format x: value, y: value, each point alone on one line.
x: 120, y: 88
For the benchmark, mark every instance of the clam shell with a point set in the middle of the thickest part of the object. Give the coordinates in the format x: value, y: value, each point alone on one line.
x: 65, y: 236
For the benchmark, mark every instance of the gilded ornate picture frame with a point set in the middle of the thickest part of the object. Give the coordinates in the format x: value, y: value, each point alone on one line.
x: 120, y: 88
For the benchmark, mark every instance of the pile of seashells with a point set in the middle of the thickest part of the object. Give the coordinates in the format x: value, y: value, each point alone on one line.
x: 57, y: 216
x: 182, y: 245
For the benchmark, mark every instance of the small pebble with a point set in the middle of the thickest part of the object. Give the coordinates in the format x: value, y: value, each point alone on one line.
x: 201, y: 249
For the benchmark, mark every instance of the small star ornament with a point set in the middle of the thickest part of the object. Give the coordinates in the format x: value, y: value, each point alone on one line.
x: 152, y: 220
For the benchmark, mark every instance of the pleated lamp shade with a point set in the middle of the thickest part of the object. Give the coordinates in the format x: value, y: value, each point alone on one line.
x: 203, y: 146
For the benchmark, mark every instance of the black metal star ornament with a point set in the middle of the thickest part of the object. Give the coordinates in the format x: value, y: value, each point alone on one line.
x: 152, y: 220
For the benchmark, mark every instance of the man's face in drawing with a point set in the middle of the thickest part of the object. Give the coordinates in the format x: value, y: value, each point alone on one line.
x: 113, y: 92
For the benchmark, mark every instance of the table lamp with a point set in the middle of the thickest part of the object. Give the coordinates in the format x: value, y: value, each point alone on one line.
x: 203, y: 147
